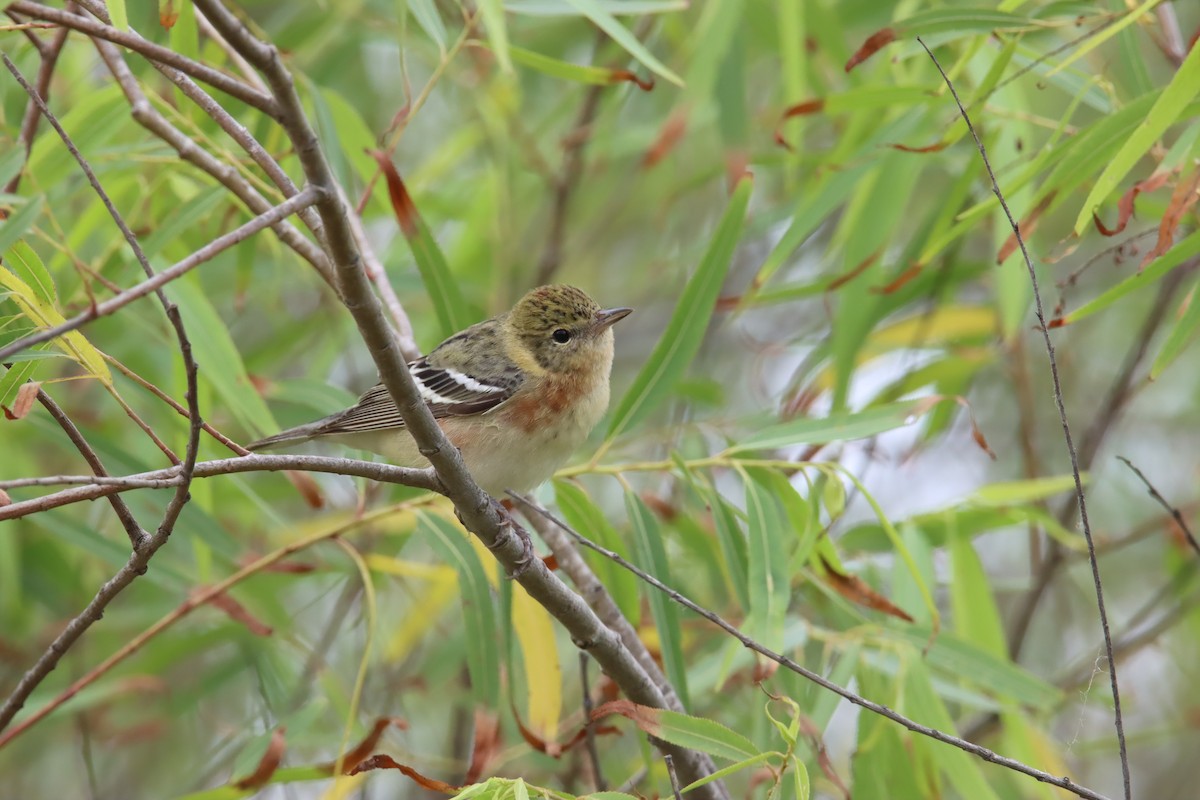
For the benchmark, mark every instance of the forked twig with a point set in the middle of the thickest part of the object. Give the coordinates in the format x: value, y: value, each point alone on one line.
x: 1162, y: 501
x: 1062, y: 416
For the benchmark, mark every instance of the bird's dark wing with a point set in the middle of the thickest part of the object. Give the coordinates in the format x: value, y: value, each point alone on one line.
x: 447, y: 392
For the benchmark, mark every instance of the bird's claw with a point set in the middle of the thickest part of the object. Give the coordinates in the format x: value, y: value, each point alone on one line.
x: 509, y: 527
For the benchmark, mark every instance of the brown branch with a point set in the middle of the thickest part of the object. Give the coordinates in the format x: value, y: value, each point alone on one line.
x: 1115, y: 400
x: 144, y: 547
x: 1062, y: 416
x: 29, y: 122
x: 479, y: 513
x: 858, y: 700
x: 113, y: 304
x: 137, y: 536
x: 154, y: 52
x: 1162, y: 501
x: 386, y: 473
x: 149, y: 118
x: 598, y: 781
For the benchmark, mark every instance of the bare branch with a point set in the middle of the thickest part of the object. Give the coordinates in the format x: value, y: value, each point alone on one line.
x: 1062, y: 416
x: 386, y: 473
x: 876, y: 708
x: 1162, y: 501
x: 152, y: 51
x: 223, y: 242
x: 29, y: 123
x: 149, y: 118
x: 137, y: 536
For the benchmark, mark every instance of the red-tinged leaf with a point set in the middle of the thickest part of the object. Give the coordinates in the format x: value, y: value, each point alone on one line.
x: 552, y: 749
x: 238, y: 613
x: 168, y: 13
x: 858, y: 591
x: 402, y: 203
x: 486, y: 746
x: 267, y: 764
x: 1187, y: 191
x: 5, y: 500
x: 936, y: 147
x: 797, y: 110
x: 645, y: 717
x: 360, y: 752
x: 670, y: 135
x: 624, y: 75
x: 308, y: 487
x: 871, y: 46
x: 382, y: 761
x: 1027, y: 226
x: 551, y: 562
x: 842, y: 280
x: 24, y: 399
x: 976, y: 431
x: 899, y: 280
x: 1057, y: 322
x: 1125, y: 204
x: 818, y: 745
x: 736, y: 162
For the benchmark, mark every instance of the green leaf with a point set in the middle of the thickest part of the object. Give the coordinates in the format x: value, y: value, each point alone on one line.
x: 652, y: 556
x: 217, y: 357
x: 1182, y: 89
x: 23, y: 261
x: 695, y: 733
x: 768, y: 577
x: 976, y: 617
x: 19, y: 222
x: 118, y: 14
x: 1026, y: 491
x: 11, y: 380
x: 428, y: 18
x: 1180, y: 335
x: 562, y: 8
x: 841, y: 426
x: 497, y: 31
x: 556, y: 68
x: 483, y: 655
x: 681, y: 340
x: 605, y: 21
x: 586, y: 517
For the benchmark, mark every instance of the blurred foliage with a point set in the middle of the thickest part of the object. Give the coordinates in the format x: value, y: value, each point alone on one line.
x: 804, y: 402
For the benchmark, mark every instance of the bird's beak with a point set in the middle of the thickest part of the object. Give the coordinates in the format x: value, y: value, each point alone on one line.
x: 605, y: 318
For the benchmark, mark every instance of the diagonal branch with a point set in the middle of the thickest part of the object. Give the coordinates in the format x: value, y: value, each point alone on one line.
x: 1062, y: 416
x: 137, y: 536
x: 478, y: 512
x: 154, y: 52
x: 155, y: 283
x: 858, y: 700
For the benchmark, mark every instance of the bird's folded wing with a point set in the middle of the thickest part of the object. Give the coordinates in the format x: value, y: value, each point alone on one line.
x: 447, y: 392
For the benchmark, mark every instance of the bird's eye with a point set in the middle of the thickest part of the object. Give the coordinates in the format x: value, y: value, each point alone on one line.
x: 562, y: 336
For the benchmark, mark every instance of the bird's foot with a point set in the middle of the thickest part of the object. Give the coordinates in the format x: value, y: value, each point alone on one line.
x: 510, y: 527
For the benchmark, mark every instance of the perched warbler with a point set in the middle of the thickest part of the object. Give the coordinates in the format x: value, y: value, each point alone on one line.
x: 516, y: 394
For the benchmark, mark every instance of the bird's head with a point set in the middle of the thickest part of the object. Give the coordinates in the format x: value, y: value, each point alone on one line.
x: 564, y: 329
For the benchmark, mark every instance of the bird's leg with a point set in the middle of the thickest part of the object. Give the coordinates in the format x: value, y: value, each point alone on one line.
x: 510, y: 527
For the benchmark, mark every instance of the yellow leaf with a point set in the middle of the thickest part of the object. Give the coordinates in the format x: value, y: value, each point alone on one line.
x: 43, y: 315
x: 543, y: 672
x: 440, y: 591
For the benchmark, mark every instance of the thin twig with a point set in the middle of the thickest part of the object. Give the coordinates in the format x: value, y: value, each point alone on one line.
x: 155, y: 52
x: 386, y: 473
x: 148, y: 117
x: 1115, y: 399
x: 670, y: 762
x: 137, y: 536
x: 113, y: 304
x: 589, y: 731
x: 1162, y: 501
x: 1062, y: 416
x: 858, y: 700
x: 29, y: 122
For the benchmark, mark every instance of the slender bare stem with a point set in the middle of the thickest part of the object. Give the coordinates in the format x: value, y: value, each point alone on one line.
x: 858, y: 700
x: 1162, y: 501
x: 154, y: 52
x: 1062, y: 416
x: 140, y: 290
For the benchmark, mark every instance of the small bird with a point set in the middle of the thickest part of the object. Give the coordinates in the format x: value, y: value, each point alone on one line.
x: 516, y: 394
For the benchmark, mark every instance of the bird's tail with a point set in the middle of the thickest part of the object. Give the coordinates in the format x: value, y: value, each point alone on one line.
x: 302, y: 433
